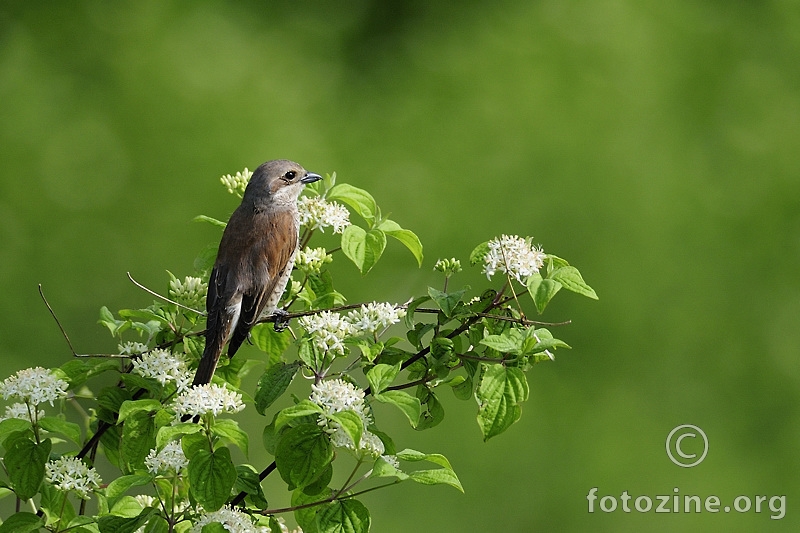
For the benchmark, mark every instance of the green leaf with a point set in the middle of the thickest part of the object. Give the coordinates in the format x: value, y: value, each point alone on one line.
x: 407, y: 237
x: 169, y: 433
x: 444, y: 475
x: 542, y: 290
x: 381, y: 376
x: 343, y: 516
x: 273, y: 384
x: 138, y: 438
x: 119, y: 524
x: 306, y: 515
x: 412, y: 308
x: 212, y: 221
x: 433, y: 413
x: 299, y: 410
x: 363, y: 248
x: 22, y: 523
x: 437, y: 476
x: 131, y: 407
x: 303, y: 454
x: 510, y: 341
x: 230, y: 431
x: 446, y: 301
x: 360, y: 200
x: 383, y: 468
x: 77, y: 371
x: 351, y: 423
x: 409, y: 405
x: 247, y: 481
x: 571, y: 279
x: 56, y: 506
x: 211, y: 477
x: 10, y: 426
x: 122, y: 484
x: 270, y: 341
x: 476, y: 256
x: 25, y: 462
x: 499, y: 394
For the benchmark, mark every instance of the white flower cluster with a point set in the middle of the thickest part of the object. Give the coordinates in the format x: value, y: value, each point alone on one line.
x: 337, y: 395
x: 190, y: 292
x: 70, y: 473
x: 165, y: 367
x: 21, y: 411
x: 311, y: 260
x: 238, y: 183
x: 169, y: 458
x: 513, y: 255
x: 231, y: 519
x: 374, y: 316
x: 34, y: 386
x: 316, y: 212
x: 209, y: 398
x: 131, y: 348
x: 329, y: 330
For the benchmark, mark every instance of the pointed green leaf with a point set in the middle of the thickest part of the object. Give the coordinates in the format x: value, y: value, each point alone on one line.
x: 303, y: 454
x: 381, y: 376
x: 437, y: 476
x: 351, y: 423
x: 363, y: 248
x: 211, y: 477
x: 343, y: 516
x: 230, y: 431
x: 25, y: 462
x: 383, y: 468
x: 499, y: 394
x: 22, y: 523
x: 446, y: 301
x: 476, y: 256
x: 247, y: 481
x: 274, y: 383
x: 138, y: 438
x: 169, y: 433
x: 299, y: 410
x: 119, y: 524
x: 572, y: 280
x: 407, y: 237
x: 409, y: 405
x: 122, y: 484
x: 130, y: 407
x: 270, y: 341
x: 542, y: 290
x: 360, y: 200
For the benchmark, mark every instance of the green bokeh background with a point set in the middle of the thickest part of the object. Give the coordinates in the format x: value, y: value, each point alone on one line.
x: 653, y: 144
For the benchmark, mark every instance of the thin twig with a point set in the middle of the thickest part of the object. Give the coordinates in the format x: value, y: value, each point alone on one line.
x: 58, y: 323
x: 154, y: 293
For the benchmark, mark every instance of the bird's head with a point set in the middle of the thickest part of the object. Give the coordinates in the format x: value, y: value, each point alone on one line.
x: 279, y: 181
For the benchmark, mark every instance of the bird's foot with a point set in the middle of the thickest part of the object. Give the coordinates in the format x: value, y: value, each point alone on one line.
x: 281, y: 319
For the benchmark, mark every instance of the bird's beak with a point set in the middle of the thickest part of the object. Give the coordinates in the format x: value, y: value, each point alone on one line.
x: 310, y: 178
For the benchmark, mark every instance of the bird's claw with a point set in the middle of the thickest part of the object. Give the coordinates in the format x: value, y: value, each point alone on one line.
x: 281, y: 319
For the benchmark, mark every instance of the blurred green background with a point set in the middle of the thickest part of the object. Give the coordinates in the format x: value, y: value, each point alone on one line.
x: 654, y: 145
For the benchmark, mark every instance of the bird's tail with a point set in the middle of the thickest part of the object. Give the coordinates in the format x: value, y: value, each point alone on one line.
x: 208, y: 362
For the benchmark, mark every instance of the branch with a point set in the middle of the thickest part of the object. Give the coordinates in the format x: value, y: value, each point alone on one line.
x: 154, y: 293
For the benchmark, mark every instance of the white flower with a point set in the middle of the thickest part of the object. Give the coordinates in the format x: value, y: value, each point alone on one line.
x: 311, y: 260
x: 190, y: 292
x: 165, y: 367
x: 131, y: 348
x: 316, y: 212
x: 170, y: 458
x: 34, y: 386
x: 392, y: 460
x: 374, y: 316
x: 70, y: 473
x: 238, y: 183
x: 335, y: 396
x: 21, y: 411
x: 515, y: 256
x: 145, y: 500
x: 329, y: 330
x: 208, y: 398
x: 231, y: 519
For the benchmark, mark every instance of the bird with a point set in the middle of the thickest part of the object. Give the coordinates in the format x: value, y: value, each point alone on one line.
x: 254, y: 261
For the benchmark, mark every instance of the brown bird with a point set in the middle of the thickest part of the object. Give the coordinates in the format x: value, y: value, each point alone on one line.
x: 254, y: 261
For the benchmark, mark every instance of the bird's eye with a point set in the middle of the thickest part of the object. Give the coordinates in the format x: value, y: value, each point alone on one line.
x: 289, y: 175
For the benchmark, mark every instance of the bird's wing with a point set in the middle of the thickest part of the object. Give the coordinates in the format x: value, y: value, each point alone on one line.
x: 221, y: 317
x: 272, y: 255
